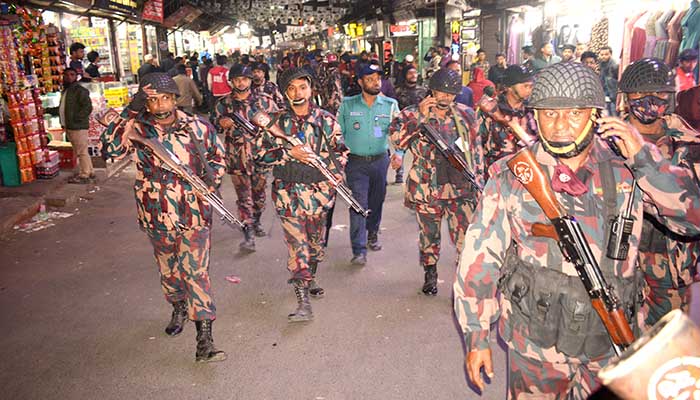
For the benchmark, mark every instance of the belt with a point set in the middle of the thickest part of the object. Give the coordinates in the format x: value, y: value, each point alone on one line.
x: 367, y: 158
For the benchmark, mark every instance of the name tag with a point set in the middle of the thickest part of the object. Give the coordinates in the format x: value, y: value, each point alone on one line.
x: 356, y: 113
x: 383, y: 116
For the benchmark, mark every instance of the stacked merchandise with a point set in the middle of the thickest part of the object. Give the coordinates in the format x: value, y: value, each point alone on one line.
x: 97, y: 39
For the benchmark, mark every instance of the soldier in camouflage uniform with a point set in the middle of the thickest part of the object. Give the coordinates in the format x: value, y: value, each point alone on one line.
x: 248, y: 179
x: 408, y: 93
x: 330, y: 90
x: 176, y: 221
x: 556, y: 342
x: 300, y: 193
x: 498, y: 140
x: 434, y: 188
x: 668, y: 260
x: 261, y: 85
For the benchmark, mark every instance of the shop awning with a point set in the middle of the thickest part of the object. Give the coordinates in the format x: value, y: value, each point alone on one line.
x: 93, y: 8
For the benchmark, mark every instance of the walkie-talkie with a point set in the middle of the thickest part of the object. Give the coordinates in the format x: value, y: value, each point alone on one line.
x: 610, y: 141
x: 621, y: 230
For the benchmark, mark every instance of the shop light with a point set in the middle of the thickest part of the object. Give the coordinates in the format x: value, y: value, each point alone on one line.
x: 244, y: 28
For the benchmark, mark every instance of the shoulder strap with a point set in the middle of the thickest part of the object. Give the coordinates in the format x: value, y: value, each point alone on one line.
x: 461, y: 129
x: 208, y: 171
x: 607, y: 179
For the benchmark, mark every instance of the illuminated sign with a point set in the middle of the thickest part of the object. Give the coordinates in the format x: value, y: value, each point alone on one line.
x: 403, y: 30
x: 128, y: 6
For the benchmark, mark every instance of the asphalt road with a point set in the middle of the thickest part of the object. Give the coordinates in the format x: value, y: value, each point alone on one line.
x: 82, y: 316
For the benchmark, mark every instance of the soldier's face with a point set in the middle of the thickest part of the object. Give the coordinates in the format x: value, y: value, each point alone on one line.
x: 443, y: 99
x: 299, y: 91
x: 371, y: 84
x: 522, y: 90
x: 241, y: 83
x: 162, y: 106
x: 411, y: 76
x: 563, y: 126
x: 258, y: 76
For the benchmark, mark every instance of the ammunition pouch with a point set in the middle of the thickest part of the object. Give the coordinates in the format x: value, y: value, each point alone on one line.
x: 551, y: 308
x: 446, y: 173
x: 296, y: 172
x: 652, y: 239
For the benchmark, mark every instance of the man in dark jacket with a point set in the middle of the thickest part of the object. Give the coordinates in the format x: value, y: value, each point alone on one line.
x: 74, y: 113
x: 150, y: 64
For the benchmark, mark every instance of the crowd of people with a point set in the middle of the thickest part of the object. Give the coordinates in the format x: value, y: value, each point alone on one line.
x: 604, y: 146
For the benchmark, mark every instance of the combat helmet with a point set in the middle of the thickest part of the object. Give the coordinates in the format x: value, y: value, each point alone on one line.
x: 291, y: 74
x: 240, y: 70
x: 647, y: 75
x: 567, y: 85
x: 161, y: 82
x: 446, y: 80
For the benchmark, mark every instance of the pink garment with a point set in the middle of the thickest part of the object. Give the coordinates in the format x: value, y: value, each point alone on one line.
x: 674, y: 37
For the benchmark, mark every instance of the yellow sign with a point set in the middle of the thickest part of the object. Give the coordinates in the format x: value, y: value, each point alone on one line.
x: 455, y: 26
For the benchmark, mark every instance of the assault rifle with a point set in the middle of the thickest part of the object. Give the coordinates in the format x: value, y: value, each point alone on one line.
x: 172, y: 163
x: 264, y: 121
x: 572, y: 242
x: 455, y: 158
x: 243, y: 123
x: 489, y: 106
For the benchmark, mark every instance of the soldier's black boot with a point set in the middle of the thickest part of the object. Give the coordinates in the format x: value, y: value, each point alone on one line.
x: 373, y: 241
x: 303, y: 312
x: 315, y: 290
x: 257, y: 228
x: 178, y: 319
x: 248, y: 243
x: 206, y: 352
x: 431, y: 276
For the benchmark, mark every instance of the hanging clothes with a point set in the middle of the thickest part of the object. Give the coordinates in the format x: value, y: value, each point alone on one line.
x: 661, y: 30
x: 650, y: 28
x: 674, y: 37
x: 691, y: 26
x: 599, y: 35
x: 639, y: 38
x: 627, y: 41
x: 516, y: 25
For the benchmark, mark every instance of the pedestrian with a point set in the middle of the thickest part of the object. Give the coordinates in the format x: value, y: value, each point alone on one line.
x: 481, y: 62
x: 390, y: 66
x: 685, y: 73
x: 74, y: 114
x: 479, y: 84
x: 410, y: 93
x: 609, y: 71
x: 177, y: 223
x: 435, y: 189
x: 217, y: 81
x: 77, y: 54
x: 498, y: 140
x: 93, y: 68
x: 556, y: 341
x: 248, y: 179
x: 300, y: 192
x: 330, y: 86
x: 528, y: 58
x: 407, y: 61
x: 261, y: 84
x: 189, y: 93
x: 435, y: 58
x: 545, y: 57
x: 590, y: 60
x: 466, y: 95
x: 150, y: 64
x: 580, y: 49
x: 168, y: 62
x: 364, y: 120
x: 386, y: 87
x: 497, y: 72
x: 668, y: 260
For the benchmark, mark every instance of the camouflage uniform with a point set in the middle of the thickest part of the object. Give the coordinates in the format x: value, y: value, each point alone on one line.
x: 426, y: 191
x: 248, y: 179
x: 329, y: 88
x: 271, y: 90
x: 175, y: 220
x: 498, y: 141
x: 669, y: 269
x: 503, y: 220
x: 410, y: 95
x: 302, y: 206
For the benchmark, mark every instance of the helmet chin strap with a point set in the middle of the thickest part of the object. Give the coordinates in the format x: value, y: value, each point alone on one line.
x: 442, y: 106
x: 571, y: 149
x: 237, y: 90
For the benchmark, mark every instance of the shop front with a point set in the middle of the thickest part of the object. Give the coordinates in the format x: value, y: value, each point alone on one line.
x: 404, y: 38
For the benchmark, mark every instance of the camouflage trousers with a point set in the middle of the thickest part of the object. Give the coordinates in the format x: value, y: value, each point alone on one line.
x: 662, y: 296
x: 534, y: 379
x: 250, y: 190
x: 429, y: 215
x: 304, y: 237
x: 183, y: 260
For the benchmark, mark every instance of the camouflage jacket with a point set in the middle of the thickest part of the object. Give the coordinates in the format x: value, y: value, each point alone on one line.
x: 294, y: 199
x: 239, y: 160
x: 497, y: 140
x: 164, y: 201
x: 270, y: 89
x: 422, y: 183
x: 681, y: 145
x: 507, y: 212
x: 410, y: 96
x: 329, y: 88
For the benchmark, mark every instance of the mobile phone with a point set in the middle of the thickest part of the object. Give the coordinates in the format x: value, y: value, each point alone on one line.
x: 611, y: 142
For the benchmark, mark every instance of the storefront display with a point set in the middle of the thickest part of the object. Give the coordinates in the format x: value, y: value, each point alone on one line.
x: 95, y: 38
x: 131, y: 53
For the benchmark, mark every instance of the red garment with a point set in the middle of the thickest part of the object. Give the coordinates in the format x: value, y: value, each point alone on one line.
x: 478, y: 84
x: 684, y: 80
x: 689, y: 106
x: 219, y: 81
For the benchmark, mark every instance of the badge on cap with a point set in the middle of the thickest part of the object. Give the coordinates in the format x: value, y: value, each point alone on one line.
x: 356, y: 125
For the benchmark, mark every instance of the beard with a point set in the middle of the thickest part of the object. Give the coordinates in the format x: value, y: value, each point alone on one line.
x: 371, y: 91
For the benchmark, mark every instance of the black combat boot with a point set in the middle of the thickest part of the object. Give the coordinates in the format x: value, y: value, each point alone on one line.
x: 303, y: 312
x: 206, y: 352
x: 315, y: 290
x: 248, y: 243
x: 431, y: 276
x: 373, y: 241
x: 257, y: 228
x: 178, y: 319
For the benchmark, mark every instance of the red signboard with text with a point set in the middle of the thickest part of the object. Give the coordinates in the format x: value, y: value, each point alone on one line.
x: 153, y: 11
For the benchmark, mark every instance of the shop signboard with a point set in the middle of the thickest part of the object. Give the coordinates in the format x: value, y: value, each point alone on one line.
x: 153, y: 11
x: 128, y: 6
x: 403, y: 30
x: 184, y: 15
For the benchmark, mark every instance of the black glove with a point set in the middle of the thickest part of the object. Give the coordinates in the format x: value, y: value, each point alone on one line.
x: 138, y: 103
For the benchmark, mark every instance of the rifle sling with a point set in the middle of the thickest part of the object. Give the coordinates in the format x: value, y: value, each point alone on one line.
x: 461, y: 124
x: 208, y: 171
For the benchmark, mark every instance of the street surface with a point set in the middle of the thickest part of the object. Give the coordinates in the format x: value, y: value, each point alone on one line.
x: 83, y: 315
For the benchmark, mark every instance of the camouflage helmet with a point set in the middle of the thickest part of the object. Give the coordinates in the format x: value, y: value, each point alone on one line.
x: 446, y: 80
x: 240, y: 70
x: 291, y: 74
x: 647, y: 75
x: 160, y: 82
x: 567, y: 85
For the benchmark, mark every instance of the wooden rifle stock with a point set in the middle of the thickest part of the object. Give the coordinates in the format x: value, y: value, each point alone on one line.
x: 530, y: 175
x: 489, y: 106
